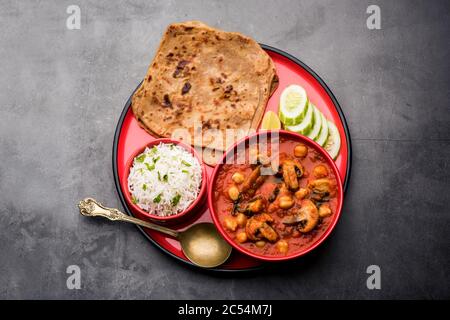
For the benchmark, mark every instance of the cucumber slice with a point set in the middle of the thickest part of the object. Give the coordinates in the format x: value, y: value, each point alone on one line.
x: 333, y: 143
x: 293, y: 105
x: 323, y: 135
x: 314, y: 133
x: 305, y: 126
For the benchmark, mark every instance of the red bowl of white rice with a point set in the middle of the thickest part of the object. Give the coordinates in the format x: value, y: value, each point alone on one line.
x: 166, y: 181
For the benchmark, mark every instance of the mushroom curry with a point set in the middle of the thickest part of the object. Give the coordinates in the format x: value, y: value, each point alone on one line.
x: 282, y: 213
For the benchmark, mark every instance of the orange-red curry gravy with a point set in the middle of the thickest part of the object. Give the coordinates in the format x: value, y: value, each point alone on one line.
x: 280, y: 214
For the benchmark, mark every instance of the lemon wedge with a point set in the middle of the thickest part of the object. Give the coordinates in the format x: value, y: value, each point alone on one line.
x: 270, y: 121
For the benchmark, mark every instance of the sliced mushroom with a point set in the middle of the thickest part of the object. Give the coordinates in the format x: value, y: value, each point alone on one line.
x: 292, y: 171
x: 274, y: 194
x: 306, y: 218
x: 258, y: 228
x: 258, y: 183
x: 253, y: 181
x: 309, y: 216
x: 291, y: 220
x: 299, y: 168
x: 322, y: 189
x: 289, y: 174
x: 263, y: 159
x: 250, y: 207
x: 255, y: 205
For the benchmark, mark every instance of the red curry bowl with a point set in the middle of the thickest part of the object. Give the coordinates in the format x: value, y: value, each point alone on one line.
x: 176, y: 218
x: 294, y: 137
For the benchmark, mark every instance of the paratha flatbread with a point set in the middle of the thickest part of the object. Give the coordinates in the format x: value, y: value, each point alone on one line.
x: 202, y: 82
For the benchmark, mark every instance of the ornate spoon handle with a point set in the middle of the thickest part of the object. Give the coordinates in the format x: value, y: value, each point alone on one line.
x: 91, y: 208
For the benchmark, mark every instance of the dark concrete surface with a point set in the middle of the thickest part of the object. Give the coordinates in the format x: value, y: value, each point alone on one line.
x: 62, y: 92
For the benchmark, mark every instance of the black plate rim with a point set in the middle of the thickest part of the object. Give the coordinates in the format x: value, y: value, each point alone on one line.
x: 119, y: 129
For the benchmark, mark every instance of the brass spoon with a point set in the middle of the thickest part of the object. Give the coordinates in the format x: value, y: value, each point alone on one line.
x: 201, y: 243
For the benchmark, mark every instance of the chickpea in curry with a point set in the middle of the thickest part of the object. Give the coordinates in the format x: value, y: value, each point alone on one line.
x: 279, y: 214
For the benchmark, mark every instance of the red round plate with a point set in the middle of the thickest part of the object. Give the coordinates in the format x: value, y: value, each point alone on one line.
x: 129, y: 137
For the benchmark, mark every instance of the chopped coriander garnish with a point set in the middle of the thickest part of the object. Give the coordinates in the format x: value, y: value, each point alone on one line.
x: 171, y: 147
x: 187, y: 164
x: 144, y: 187
x: 149, y: 167
x: 141, y: 158
x: 159, y: 176
x: 175, y: 200
x: 156, y: 159
x: 165, y: 178
x: 157, y: 199
x: 184, y: 171
x: 134, y: 200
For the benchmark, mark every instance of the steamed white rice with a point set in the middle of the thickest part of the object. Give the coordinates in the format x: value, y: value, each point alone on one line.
x: 165, y: 179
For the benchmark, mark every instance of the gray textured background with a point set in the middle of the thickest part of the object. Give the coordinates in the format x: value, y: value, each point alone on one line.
x: 62, y: 93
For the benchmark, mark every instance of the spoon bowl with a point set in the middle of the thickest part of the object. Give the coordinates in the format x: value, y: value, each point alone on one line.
x: 201, y: 243
x: 204, y: 246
